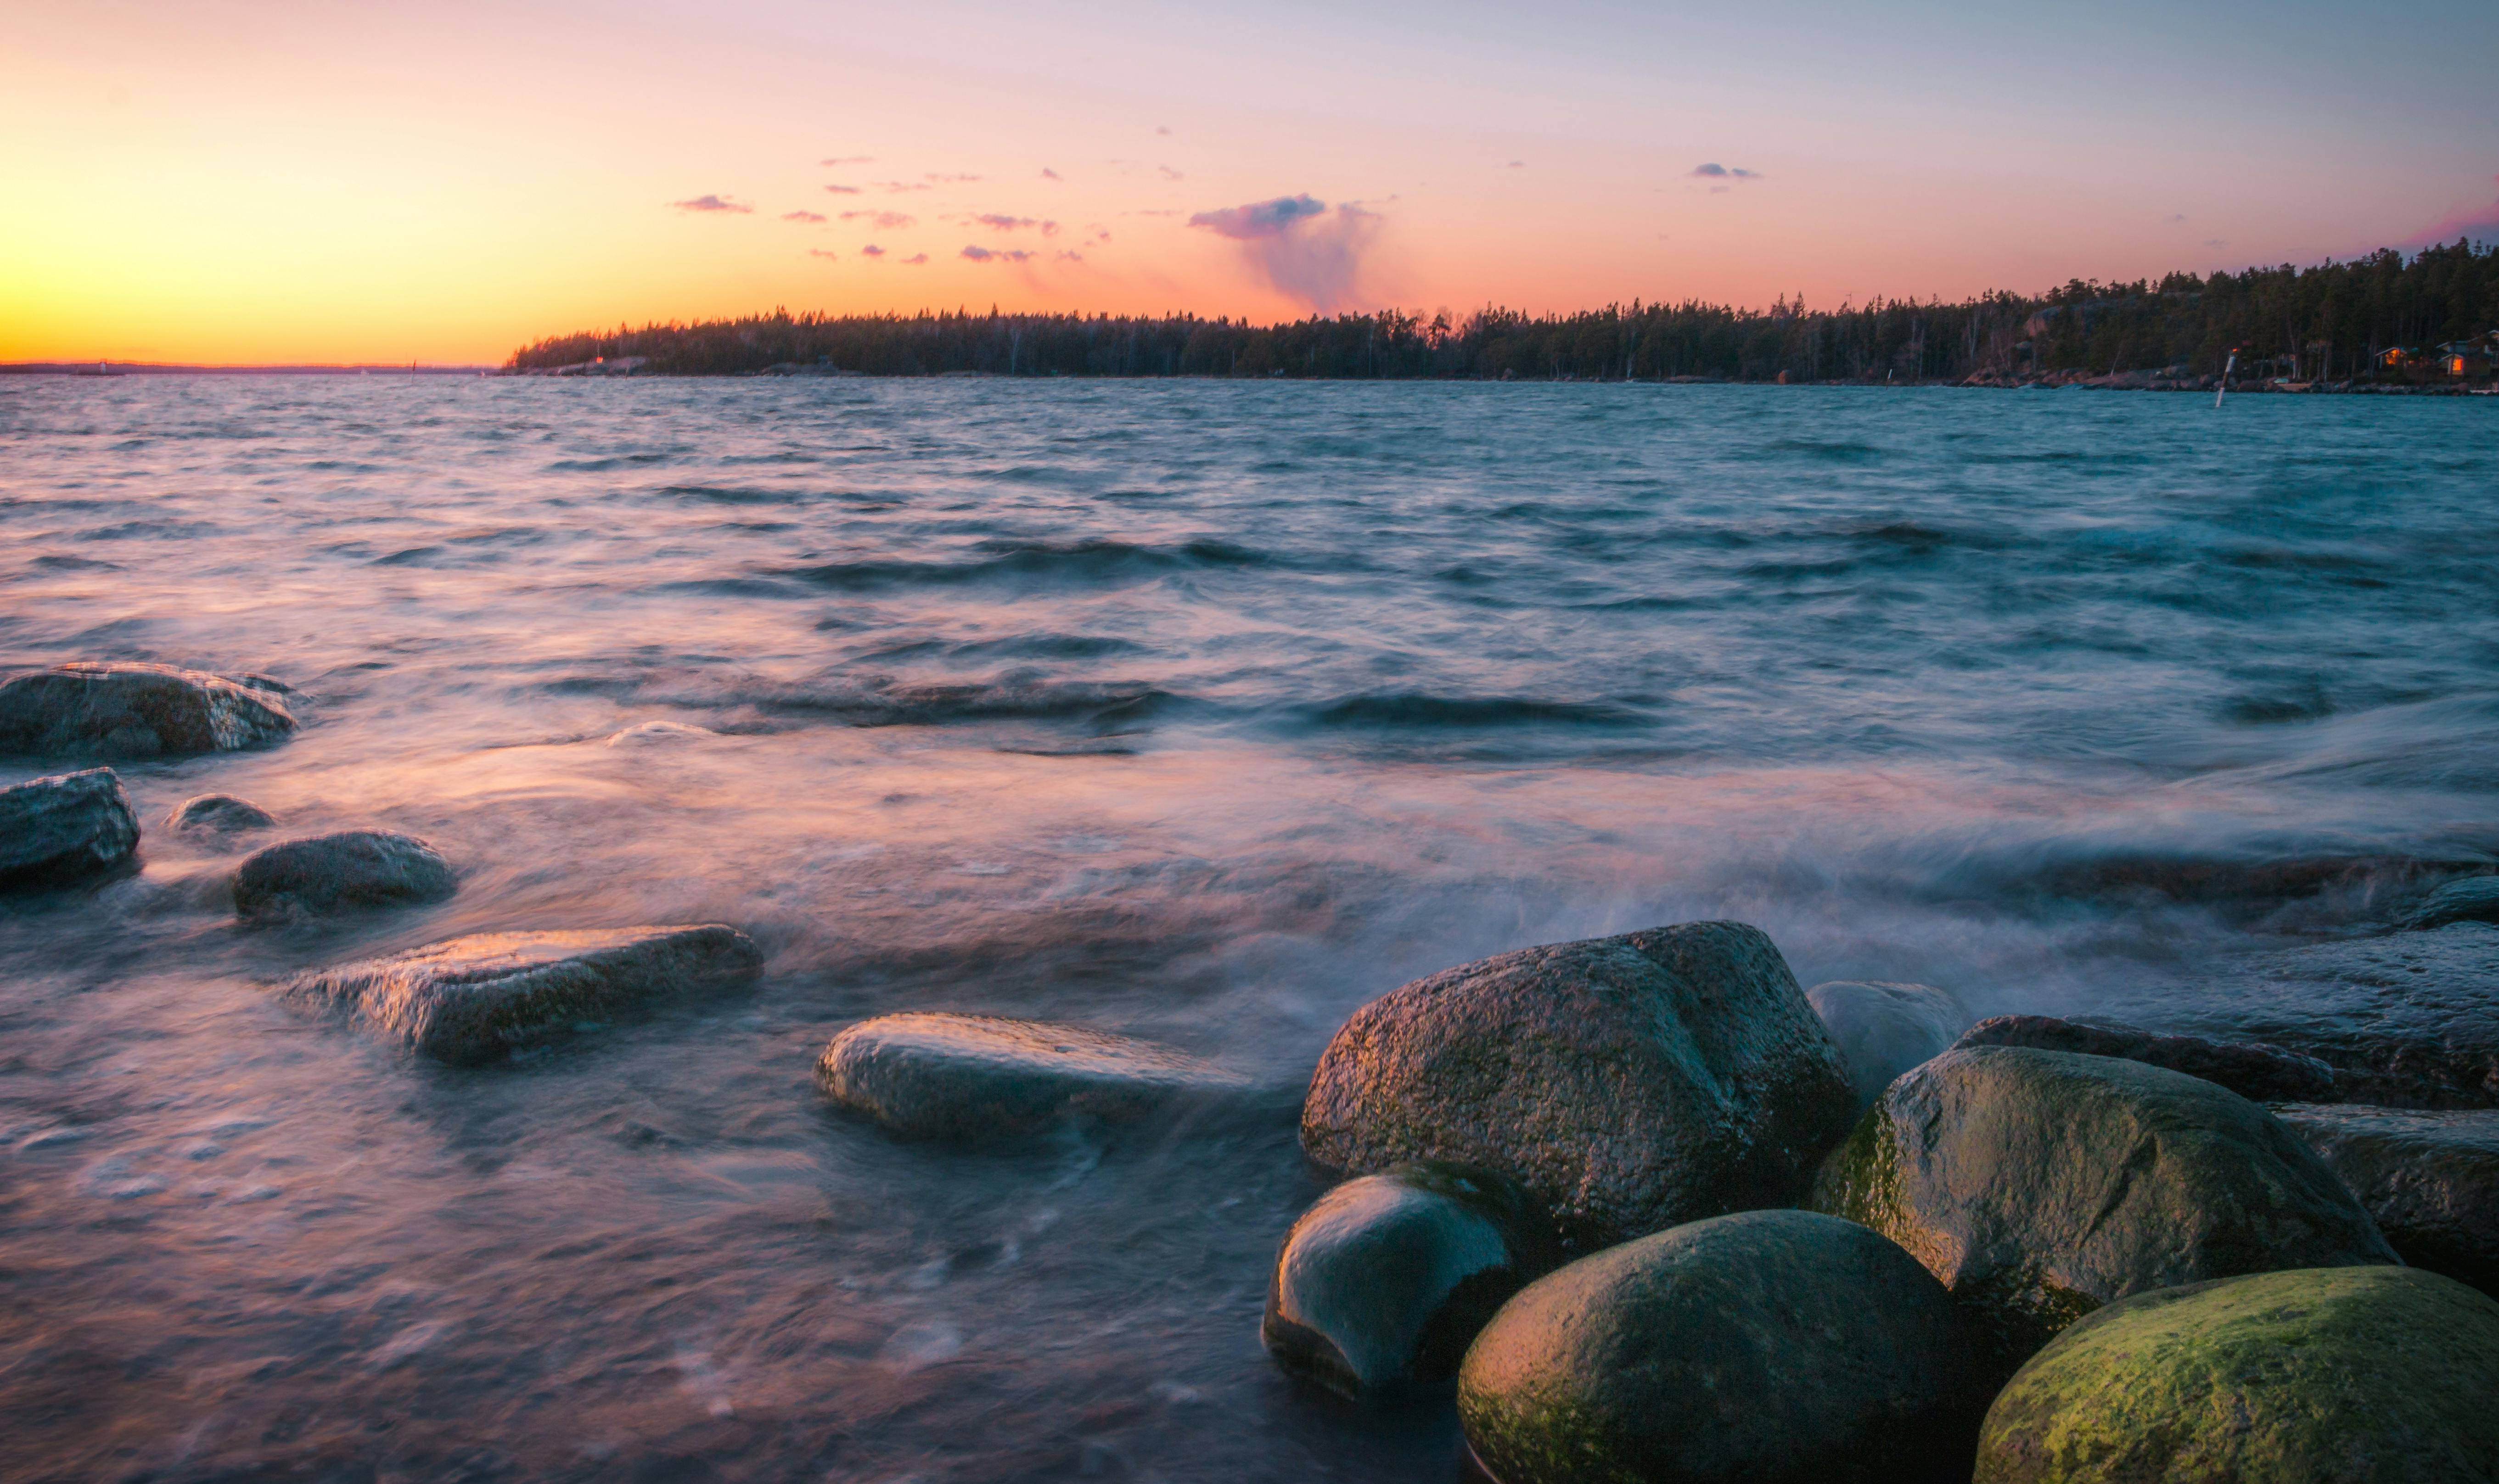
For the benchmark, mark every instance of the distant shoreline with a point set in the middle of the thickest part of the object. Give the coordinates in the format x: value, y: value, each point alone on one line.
x: 109, y: 368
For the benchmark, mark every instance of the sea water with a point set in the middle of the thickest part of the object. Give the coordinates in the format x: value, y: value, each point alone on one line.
x: 1197, y: 711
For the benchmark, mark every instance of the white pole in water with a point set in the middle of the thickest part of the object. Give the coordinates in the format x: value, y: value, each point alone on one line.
x: 2224, y: 389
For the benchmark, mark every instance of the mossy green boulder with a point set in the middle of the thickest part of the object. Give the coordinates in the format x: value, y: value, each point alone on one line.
x: 2040, y: 1185
x: 1769, y: 1346
x: 2339, y: 1375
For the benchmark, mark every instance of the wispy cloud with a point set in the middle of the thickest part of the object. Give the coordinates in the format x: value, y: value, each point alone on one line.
x: 2477, y: 224
x: 890, y: 221
x: 1169, y: 174
x: 998, y: 221
x: 979, y: 254
x: 1049, y: 174
x: 916, y: 259
x: 847, y: 159
x: 898, y: 187
x: 1162, y: 128
x: 947, y: 179
x: 1515, y: 165
x: 1717, y: 172
x: 1069, y: 255
x: 711, y: 204
x: 843, y: 190
x: 822, y: 252
x: 802, y: 216
x: 872, y: 251
x: 1301, y: 247
x: 2175, y: 217
x: 1259, y: 218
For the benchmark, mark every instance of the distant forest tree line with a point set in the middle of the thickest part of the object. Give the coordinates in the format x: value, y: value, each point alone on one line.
x: 2337, y: 321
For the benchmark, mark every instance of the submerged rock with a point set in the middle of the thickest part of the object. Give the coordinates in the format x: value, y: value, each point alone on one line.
x: 353, y: 868
x: 124, y: 709
x: 2431, y: 1179
x: 218, y: 814
x: 2040, y: 1185
x: 981, y: 1078
x: 479, y: 998
x: 1884, y: 1029
x: 2407, y: 1020
x: 2474, y: 899
x: 2258, y: 1073
x: 1381, y: 1286
x: 1771, y: 1347
x: 1629, y: 1083
x: 2345, y: 1373
x: 58, y: 830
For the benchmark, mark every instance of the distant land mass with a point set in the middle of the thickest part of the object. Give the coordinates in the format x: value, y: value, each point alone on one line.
x: 2384, y: 321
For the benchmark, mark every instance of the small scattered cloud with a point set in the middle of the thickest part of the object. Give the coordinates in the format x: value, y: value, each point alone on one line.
x: 872, y: 251
x: 1515, y: 165
x: 1259, y: 218
x: 980, y: 254
x: 1068, y: 255
x: 847, y: 159
x: 1717, y: 172
x: 1169, y: 174
x: 822, y: 252
x: 711, y: 204
x: 802, y: 216
x: 1162, y: 128
x: 998, y: 221
x: 1302, y: 248
x: 890, y: 221
x: 948, y: 179
x: 1049, y: 174
x: 898, y: 187
x: 2174, y: 217
x: 843, y: 190
x: 2216, y: 241
x: 916, y: 259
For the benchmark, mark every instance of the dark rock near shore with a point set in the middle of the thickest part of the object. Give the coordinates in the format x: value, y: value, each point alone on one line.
x: 353, y: 868
x: 2407, y: 1020
x: 2258, y: 1073
x: 2040, y: 1185
x: 1381, y: 1286
x: 2345, y: 1373
x: 1771, y: 1347
x: 2431, y: 1179
x: 1630, y: 1084
x: 480, y: 998
x: 2474, y: 899
x: 979, y: 1077
x: 1885, y: 1029
x: 122, y: 709
x: 63, y: 829
x: 212, y: 815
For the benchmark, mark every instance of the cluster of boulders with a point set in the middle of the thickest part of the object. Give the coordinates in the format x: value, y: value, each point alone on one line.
x: 470, y: 999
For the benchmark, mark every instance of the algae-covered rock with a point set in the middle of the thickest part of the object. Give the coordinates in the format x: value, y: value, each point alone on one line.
x: 213, y: 816
x: 1381, y: 1286
x: 2474, y: 899
x: 2431, y: 1179
x: 1884, y: 1029
x: 2343, y: 1375
x: 1629, y: 1083
x: 2040, y: 1185
x: 1770, y: 1346
x: 352, y: 868
x: 980, y: 1078
x: 123, y: 709
x: 64, y: 828
x: 2261, y: 1072
x: 482, y: 997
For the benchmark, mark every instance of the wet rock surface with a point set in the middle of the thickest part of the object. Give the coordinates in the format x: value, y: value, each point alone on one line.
x: 2258, y: 1073
x: 2041, y: 1185
x: 2407, y: 1020
x: 1771, y: 1346
x: 211, y: 815
x: 1884, y: 1029
x: 124, y: 709
x: 353, y: 868
x: 979, y: 1077
x: 2431, y: 1179
x: 482, y: 997
x: 65, y: 829
x: 2349, y: 1374
x: 1382, y: 1284
x: 2474, y: 899
x: 1629, y: 1083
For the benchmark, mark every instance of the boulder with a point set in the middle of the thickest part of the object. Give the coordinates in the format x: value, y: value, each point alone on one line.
x: 1883, y: 1030
x: 2406, y: 1020
x: 1381, y: 1286
x: 212, y: 815
x: 1771, y: 1346
x: 480, y: 998
x: 59, y: 830
x: 1630, y: 1084
x: 2258, y: 1073
x: 2431, y: 1179
x: 2474, y: 899
x: 979, y: 1077
x: 2343, y: 1373
x: 2040, y: 1185
x: 353, y: 868
x: 122, y: 709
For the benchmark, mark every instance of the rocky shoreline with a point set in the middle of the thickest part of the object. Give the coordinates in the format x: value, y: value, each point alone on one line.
x: 1643, y: 1207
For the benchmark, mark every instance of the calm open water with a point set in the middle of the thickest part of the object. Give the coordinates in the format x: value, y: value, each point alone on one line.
x: 1198, y: 711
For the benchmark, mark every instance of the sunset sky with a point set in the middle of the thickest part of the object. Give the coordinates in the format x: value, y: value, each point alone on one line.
x: 226, y: 180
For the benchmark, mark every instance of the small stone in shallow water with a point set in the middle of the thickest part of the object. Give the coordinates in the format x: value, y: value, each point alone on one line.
x: 979, y: 1077
x: 480, y: 997
x: 643, y: 734
x: 1381, y: 1286
x: 63, y: 829
x: 2474, y: 899
x: 2260, y: 1073
x: 1885, y: 1029
x: 217, y: 814
x: 2431, y: 1179
x: 122, y: 709
x: 352, y: 868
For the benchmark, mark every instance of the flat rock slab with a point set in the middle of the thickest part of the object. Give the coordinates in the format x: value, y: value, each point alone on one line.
x: 353, y: 868
x: 2431, y: 1179
x: 480, y: 998
x: 2406, y: 1020
x: 121, y: 709
x: 63, y: 829
x: 976, y: 1078
x: 2260, y: 1073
